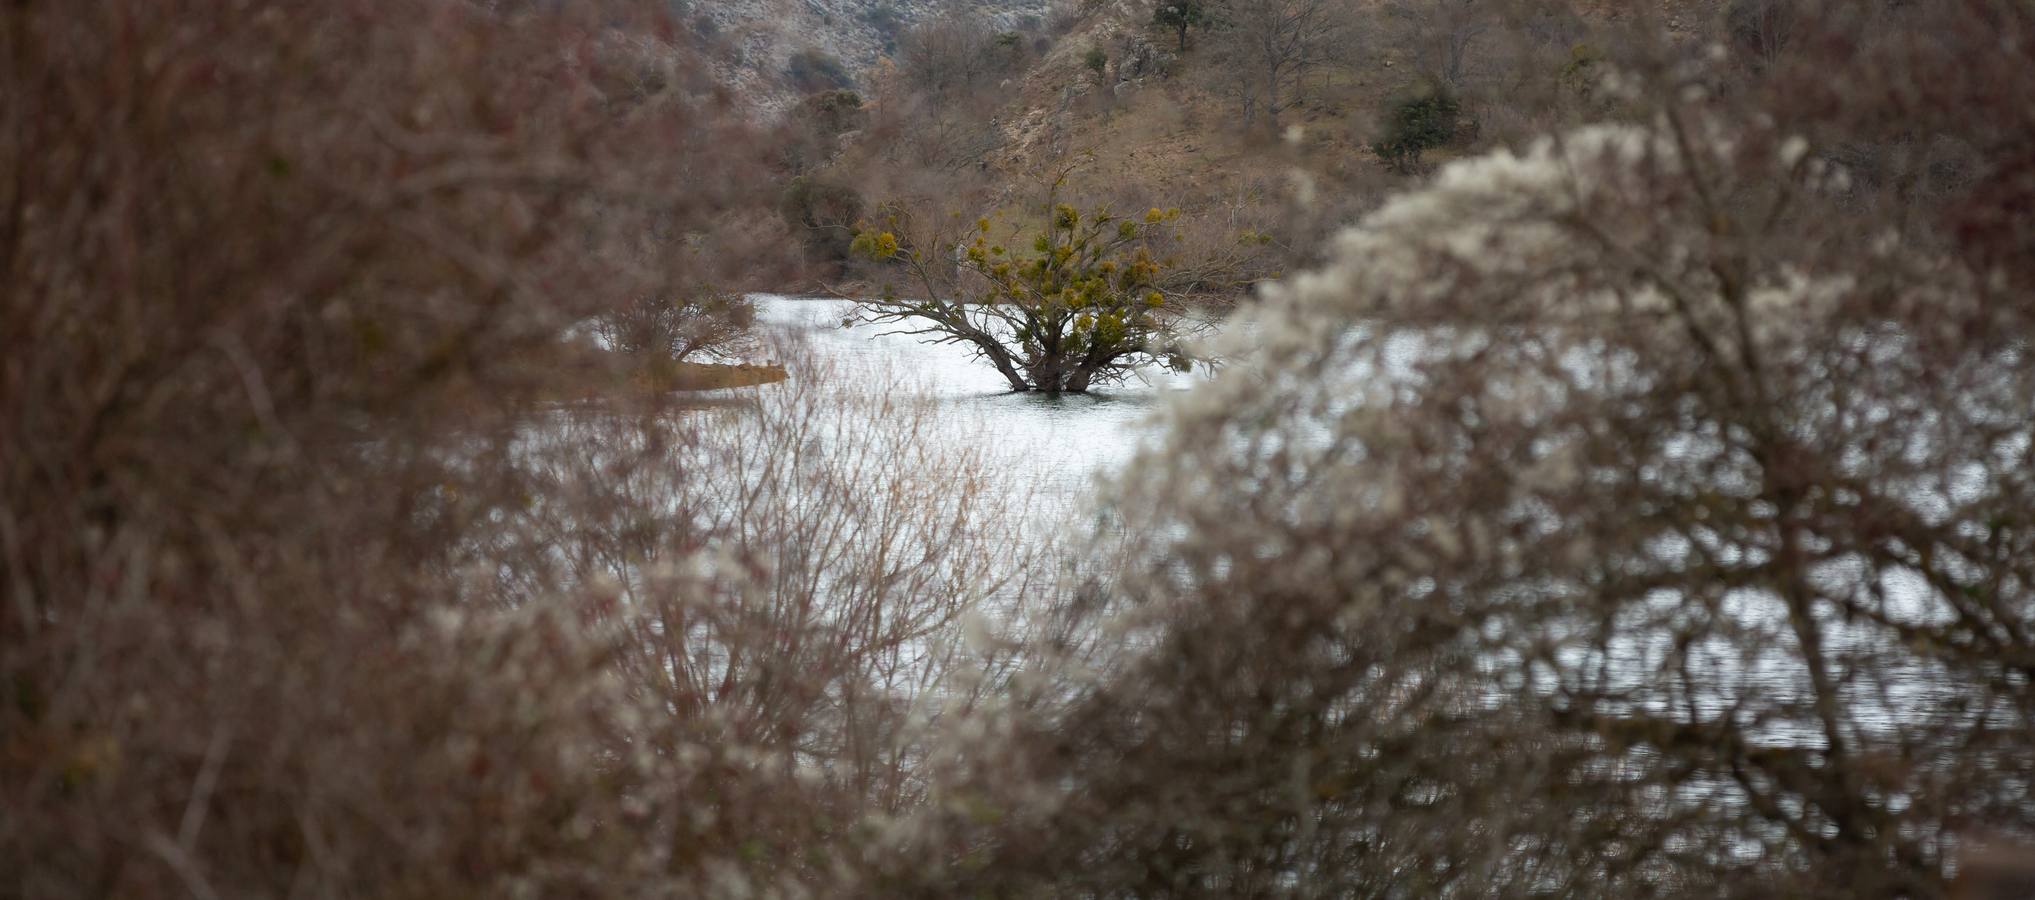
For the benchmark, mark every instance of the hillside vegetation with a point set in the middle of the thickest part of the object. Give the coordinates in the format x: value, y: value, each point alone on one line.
x: 1269, y: 122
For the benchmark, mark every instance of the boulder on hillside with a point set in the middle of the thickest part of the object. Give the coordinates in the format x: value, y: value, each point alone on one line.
x: 1139, y: 58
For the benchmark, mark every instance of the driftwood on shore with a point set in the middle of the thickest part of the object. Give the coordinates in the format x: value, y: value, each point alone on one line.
x: 603, y: 372
x: 689, y: 376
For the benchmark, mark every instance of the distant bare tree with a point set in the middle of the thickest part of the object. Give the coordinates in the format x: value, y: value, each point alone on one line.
x: 947, y: 55
x: 1761, y: 30
x: 936, y: 102
x: 1445, y: 37
x: 1265, y: 49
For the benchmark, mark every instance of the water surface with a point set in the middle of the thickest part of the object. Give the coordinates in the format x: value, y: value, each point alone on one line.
x: 1054, y: 446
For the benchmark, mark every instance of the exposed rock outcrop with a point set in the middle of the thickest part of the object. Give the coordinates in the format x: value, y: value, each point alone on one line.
x: 758, y: 38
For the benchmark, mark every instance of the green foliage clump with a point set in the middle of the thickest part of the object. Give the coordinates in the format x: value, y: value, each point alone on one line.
x: 835, y: 111
x: 1582, y: 75
x: 1415, y: 125
x: 1097, y: 59
x: 1011, y: 50
x: 816, y: 70
x: 1180, y: 15
x: 876, y: 245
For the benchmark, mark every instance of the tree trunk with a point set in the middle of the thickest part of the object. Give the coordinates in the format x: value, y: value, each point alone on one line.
x: 1272, y: 101
x: 1061, y: 374
x: 1000, y: 358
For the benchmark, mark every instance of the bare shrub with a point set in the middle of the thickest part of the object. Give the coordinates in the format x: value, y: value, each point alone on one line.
x: 1762, y: 29
x: 947, y: 55
x: 675, y: 329
x: 791, y: 585
x: 823, y: 213
x: 1610, y: 518
x: 1066, y: 15
x: 812, y: 70
x: 296, y: 601
x: 1639, y: 512
x: 1265, y: 49
x: 934, y: 107
x: 1448, y: 40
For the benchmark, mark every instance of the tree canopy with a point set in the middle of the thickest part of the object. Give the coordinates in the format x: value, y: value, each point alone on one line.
x: 1415, y: 125
x: 1064, y: 305
x: 1180, y: 15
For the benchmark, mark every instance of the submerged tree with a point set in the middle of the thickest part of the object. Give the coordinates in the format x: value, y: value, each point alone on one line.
x: 1081, y: 305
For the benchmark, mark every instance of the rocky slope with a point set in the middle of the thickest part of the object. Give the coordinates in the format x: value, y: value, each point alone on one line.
x: 760, y: 38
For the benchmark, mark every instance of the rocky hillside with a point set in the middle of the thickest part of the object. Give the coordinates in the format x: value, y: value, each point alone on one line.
x: 769, y: 46
x: 1142, y: 119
